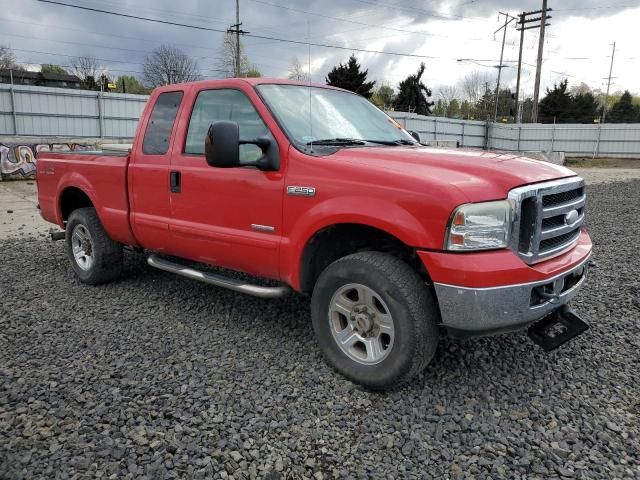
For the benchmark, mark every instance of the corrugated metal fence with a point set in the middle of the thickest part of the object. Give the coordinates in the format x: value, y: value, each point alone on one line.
x: 43, y: 111
x: 610, y: 140
x: 468, y: 133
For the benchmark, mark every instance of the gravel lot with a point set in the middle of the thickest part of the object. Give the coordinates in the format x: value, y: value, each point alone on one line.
x: 162, y: 377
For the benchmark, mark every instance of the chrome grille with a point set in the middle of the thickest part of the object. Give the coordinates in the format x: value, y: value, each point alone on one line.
x: 545, y: 224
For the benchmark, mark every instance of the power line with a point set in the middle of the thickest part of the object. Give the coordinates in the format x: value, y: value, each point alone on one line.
x: 429, y: 13
x: 602, y: 7
x: 209, y: 29
x: 346, y: 20
x: 364, y: 24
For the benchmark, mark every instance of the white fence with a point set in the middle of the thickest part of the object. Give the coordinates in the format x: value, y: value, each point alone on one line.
x: 43, y: 111
x: 610, y: 140
x: 468, y: 133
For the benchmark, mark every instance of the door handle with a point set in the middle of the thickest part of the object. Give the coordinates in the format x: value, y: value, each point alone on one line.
x: 174, y: 181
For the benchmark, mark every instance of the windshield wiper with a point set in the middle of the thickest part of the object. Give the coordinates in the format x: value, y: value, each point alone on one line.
x: 337, y: 141
x: 391, y: 142
x: 359, y: 141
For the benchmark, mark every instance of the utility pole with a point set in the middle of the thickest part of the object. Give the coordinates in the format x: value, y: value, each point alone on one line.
x: 236, y: 29
x: 507, y: 20
x: 536, y: 88
x: 523, y: 20
x: 606, y: 97
x: 237, y: 38
x: 521, y: 23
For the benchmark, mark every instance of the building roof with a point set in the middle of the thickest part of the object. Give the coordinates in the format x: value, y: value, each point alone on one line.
x: 51, y: 77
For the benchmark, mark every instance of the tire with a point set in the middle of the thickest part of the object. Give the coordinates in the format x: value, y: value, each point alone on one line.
x: 377, y: 362
x: 95, y: 258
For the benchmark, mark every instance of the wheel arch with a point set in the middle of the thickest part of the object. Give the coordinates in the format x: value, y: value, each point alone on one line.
x: 338, y: 240
x: 72, y: 198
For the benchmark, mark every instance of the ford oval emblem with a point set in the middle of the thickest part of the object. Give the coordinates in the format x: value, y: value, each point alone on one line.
x: 571, y: 217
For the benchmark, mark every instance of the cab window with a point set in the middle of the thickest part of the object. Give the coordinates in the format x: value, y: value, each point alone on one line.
x: 160, y: 126
x: 225, y: 104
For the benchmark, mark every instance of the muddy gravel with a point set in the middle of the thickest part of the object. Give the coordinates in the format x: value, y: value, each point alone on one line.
x: 160, y: 377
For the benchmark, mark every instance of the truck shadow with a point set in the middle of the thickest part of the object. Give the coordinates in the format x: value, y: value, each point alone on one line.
x: 289, y: 319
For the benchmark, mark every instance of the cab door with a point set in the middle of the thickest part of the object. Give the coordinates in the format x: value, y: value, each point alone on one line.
x: 148, y: 171
x: 229, y: 217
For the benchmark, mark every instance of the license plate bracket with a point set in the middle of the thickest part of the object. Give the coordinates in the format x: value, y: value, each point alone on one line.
x: 557, y: 328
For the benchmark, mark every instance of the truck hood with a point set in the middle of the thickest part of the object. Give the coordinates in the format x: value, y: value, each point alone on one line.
x: 478, y: 175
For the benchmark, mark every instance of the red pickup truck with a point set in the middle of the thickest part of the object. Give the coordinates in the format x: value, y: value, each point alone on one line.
x: 315, y: 189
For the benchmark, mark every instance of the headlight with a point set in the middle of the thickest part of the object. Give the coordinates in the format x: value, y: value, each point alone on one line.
x: 479, y: 226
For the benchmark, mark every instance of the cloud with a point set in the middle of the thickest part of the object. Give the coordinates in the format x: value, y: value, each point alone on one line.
x: 448, y: 30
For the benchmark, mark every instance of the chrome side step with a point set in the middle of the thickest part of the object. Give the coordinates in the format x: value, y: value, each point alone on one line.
x: 218, y: 280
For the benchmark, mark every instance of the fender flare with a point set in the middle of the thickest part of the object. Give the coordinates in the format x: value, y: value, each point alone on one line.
x: 74, y: 180
x: 392, y: 219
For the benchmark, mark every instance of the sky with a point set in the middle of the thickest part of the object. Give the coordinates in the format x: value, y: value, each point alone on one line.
x: 578, y: 44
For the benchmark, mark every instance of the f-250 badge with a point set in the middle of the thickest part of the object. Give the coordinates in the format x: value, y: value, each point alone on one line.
x: 302, y: 191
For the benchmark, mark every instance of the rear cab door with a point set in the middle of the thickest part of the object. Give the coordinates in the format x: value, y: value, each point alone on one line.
x: 148, y: 174
x: 229, y: 217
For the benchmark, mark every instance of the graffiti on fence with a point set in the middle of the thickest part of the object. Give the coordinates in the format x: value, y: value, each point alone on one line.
x: 19, y: 161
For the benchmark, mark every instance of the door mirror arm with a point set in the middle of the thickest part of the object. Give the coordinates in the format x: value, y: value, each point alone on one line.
x: 222, y: 148
x: 270, y: 159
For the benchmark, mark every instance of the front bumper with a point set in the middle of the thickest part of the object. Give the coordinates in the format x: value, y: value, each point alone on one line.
x: 469, y: 311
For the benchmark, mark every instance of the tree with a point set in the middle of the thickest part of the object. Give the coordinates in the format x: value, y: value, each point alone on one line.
x: 562, y: 104
x: 85, y: 68
x: 506, y: 104
x: 484, y: 106
x: 297, y: 71
x: 584, y: 107
x: 167, y: 65
x: 474, y: 85
x: 413, y: 95
x: 448, y: 93
x: 253, y: 72
x: 624, y: 111
x: 386, y: 94
x: 580, y: 89
x: 466, y: 110
x: 556, y: 105
x: 453, y: 109
x: 350, y: 77
x: 130, y: 84
x: 440, y: 108
x: 50, y: 68
x: 227, y: 62
x: 384, y: 97
x: 7, y: 58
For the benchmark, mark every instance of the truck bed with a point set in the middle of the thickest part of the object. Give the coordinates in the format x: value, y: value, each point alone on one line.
x: 101, y: 175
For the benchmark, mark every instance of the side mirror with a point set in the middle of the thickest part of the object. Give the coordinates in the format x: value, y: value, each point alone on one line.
x: 222, y: 148
x: 415, y: 135
x: 222, y: 145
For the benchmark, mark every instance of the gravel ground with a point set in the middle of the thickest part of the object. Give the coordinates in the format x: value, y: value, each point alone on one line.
x: 162, y: 377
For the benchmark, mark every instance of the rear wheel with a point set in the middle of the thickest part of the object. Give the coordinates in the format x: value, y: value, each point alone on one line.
x: 375, y: 320
x: 95, y: 258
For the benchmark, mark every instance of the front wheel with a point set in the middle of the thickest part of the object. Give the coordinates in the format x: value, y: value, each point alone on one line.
x: 375, y: 319
x: 95, y: 258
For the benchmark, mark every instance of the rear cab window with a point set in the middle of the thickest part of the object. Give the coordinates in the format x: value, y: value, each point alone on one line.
x: 160, y: 126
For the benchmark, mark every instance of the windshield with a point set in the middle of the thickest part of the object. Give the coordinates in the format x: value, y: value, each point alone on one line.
x: 337, y: 118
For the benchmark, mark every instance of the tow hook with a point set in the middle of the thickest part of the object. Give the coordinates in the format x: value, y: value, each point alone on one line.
x: 557, y: 328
